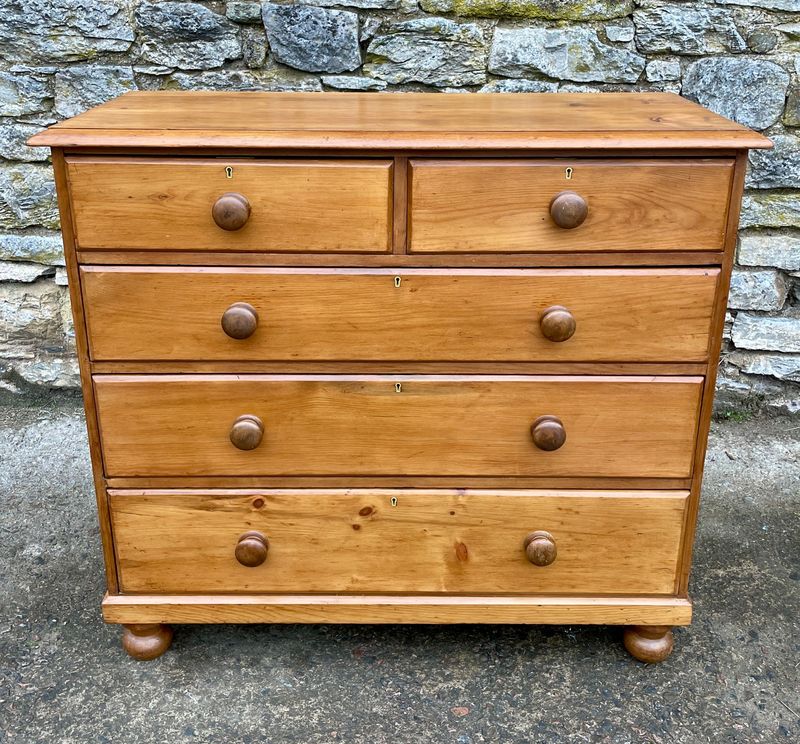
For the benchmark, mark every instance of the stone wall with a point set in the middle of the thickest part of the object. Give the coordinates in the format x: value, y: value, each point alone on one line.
x: 738, y: 57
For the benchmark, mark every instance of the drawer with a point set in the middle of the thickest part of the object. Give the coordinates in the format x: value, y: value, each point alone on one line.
x: 178, y: 313
x: 385, y: 541
x: 496, y: 206
x: 294, y: 205
x: 185, y: 425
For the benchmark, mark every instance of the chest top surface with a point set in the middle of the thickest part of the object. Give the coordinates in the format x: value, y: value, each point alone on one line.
x: 534, y: 121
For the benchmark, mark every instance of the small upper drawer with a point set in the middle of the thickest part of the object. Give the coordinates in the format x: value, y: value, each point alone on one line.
x: 470, y: 315
x: 231, y: 204
x: 496, y: 206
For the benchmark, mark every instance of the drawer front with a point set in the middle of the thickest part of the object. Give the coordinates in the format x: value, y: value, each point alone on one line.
x: 171, y: 313
x: 181, y: 425
x: 430, y: 541
x: 495, y: 206
x: 295, y: 205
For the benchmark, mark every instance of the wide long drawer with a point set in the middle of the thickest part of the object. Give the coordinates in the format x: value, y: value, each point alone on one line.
x: 397, y: 541
x: 611, y: 205
x: 220, y: 204
x: 186, y: 313
x: 185, y: 425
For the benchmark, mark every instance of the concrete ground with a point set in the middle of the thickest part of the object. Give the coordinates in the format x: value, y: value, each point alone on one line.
x: 734, y: 675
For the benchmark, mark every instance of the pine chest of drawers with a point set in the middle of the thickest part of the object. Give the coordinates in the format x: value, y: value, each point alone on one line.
x: 398, y: 358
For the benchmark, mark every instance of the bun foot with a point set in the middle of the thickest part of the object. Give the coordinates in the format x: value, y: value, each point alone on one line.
x: 648, y: 643
x: 146, y: 642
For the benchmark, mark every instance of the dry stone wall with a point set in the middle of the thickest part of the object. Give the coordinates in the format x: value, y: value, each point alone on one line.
x: 738, y: 57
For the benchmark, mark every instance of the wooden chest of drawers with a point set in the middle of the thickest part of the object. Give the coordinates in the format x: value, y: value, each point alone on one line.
x: 398, y: 358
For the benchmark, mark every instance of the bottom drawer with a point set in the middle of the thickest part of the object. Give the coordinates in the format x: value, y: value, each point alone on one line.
x: 397, y: 541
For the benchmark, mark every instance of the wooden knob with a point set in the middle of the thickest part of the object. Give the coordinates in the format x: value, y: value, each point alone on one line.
x: 557, y: 323
x: 247, y: 432
x: 231, y: 211
x: 568, y: 209
x: 548, y: 433
x: 540, y: 548
x: 252, y: 549
x: 240, y: 320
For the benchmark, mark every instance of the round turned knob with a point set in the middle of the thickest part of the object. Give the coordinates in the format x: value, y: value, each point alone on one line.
x: 240, y: 320
x: 548, y: 433
x: 557, y: 323
x: 231, y: 211
x: 540, y: 548
x: 247, y: 432
x: 252, y: 548
x: 568, y: 209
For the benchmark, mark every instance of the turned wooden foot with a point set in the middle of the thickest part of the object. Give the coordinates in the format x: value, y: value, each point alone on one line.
x: 648, y: 643
x: 145, y: 642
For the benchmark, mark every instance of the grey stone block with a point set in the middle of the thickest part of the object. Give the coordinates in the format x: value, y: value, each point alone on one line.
x: 313, y: 39
x: 792, y: 5
x: 80, y: 87
x: 762, y: 41
x: 620, y: 32
x: 776, y: 168
x: 687, y: 28
x: 362, y: 4
x: 767, y: 333
x: 558, y: 10
x: 43, y: 249
x: 186, y: 35
x: 353, y: 82
x: 771, y: 249
x: 661, y: 70
x: 433, y: 51
x: 770, y: 210
x: 791, y: 116
x: 254, y: 46
x: 516, y: 85
x: 42, y: 31
x: 271, y: 79
x: 50, y: 370
x: 572, y: 53
x: 781, y: 366
x: 32, y: 316
x: 23, y: 94
x: 750, y: 91
x: 243, y: 12
x: 18, y: 271
x: 27, y: 196
x: 13, y: 136
x: 764, y: 289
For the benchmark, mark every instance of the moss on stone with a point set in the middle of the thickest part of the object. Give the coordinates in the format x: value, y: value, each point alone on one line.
x: 572, y: 10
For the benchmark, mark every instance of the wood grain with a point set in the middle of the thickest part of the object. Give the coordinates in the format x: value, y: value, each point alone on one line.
x: 362, y: 425
x: 82, y: 350
x: 709, y: 387
x: 429, y: 542
x: 401, y: 121
x: 630, y: 259
x: 296, y: 205
x: 433, y: 315
x: 410, y: 368
x: 392, y: 609
x: 504, y: 205
x: 239, y: 482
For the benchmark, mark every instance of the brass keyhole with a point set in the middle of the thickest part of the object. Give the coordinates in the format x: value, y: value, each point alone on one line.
x: 228, y: 172
x: 568, y: 174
